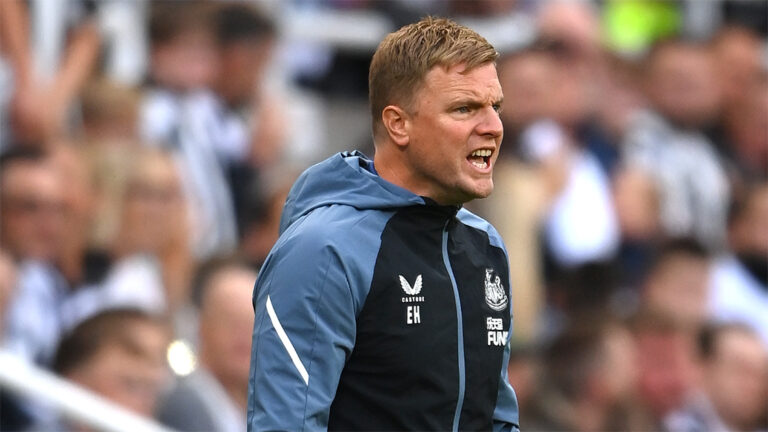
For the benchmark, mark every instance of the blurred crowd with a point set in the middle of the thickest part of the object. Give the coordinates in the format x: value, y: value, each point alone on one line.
x: 147, y: 148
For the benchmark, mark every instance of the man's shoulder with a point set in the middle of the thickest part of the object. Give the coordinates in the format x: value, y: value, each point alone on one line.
x: 470, y: 219
x: 340, y: 227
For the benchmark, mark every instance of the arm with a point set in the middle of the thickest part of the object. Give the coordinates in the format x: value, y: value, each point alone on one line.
x: 78, y: 62
x: 505, y: 416
x: 303, y: 333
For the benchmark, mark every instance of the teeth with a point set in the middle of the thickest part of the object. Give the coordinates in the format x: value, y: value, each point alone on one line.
x: 481, y: 153
x: 480, y: 164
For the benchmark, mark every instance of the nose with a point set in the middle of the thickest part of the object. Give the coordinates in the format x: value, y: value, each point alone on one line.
x: 490, y: 124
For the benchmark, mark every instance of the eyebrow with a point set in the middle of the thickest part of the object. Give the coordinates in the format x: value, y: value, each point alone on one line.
x: 475, y: 102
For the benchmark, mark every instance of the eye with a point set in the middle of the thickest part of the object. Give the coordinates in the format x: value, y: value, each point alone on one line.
x: 497, y: 108
x: 463, y: 109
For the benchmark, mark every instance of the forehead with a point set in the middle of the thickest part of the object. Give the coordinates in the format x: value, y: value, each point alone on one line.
x: 479, y: 82
x: 25, y: 175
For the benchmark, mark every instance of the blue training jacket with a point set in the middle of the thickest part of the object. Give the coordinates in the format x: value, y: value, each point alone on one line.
x: 378, y: 309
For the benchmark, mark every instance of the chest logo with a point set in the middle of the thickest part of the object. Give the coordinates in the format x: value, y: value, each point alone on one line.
x: 411, y: 290
x: 412, y: 311
x: 495, y: 296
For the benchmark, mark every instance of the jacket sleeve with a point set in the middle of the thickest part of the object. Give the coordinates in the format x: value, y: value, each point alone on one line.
x: 303, y: 333
x: 506, y: 413
x: 505, y: 416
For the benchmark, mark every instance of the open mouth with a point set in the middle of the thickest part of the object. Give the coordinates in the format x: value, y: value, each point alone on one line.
x: 480, y: 158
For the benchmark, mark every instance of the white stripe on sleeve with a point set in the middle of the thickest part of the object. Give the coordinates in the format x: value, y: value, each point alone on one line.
x: 286, y: 342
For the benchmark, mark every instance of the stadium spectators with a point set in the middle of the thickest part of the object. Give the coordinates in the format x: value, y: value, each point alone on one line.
x: 118, y: 354
x: 114, y: 194
x: 739, y: 280
x: 31, y: 224
x: 676, y: 284
x: 734, y: 371
x: 588, y: 380
x: 214, y: 396
x: 151, y: 261
x: 51, y: 49
x: 666, y: 366
x: 667, y: 143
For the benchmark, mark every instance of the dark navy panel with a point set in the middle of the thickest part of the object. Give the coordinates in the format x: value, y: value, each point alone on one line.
x: 402, y: 374
x: 480, y: 267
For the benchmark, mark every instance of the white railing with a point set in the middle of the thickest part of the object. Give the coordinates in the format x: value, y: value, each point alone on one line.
x: 72, y: 401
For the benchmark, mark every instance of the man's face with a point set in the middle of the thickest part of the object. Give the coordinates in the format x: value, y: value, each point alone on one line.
x: 226, y: 325
x: 683, y: 87
x: 243, y: 64
x: 528, y: 82
x: 454, y: 133
x: 32, y: 210
x: 679, y: 287
x: 666, y: 370
x: 737, y: 378
x: 132, y: 379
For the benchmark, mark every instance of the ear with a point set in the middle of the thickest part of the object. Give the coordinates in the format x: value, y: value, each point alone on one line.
x: 395, y: 121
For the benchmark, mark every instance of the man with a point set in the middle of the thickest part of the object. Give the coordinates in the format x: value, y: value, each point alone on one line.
x: 214, y: 397
x: 738, y: 282
x: 666, y: 147
x: 734, y: 382
x: 32, y: 228
x: 31, y: 217
x: 665, y: 364
x: 384, y: 305
x: 118, y: 354
x: 589, y: 376
x: 676, y: 282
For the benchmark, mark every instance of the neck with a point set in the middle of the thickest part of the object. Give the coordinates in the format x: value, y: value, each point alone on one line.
x: 392, y: 167
x: 70, y: 262
x: 389, y: 168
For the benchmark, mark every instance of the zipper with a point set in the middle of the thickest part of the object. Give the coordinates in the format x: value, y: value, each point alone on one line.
x: 460, y: 330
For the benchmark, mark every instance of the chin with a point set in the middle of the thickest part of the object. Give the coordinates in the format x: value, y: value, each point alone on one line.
x: 483, y: 191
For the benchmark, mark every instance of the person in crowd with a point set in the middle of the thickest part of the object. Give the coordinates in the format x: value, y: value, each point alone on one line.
x: 52, y: 49
x: 262, y: 226
x: 143, y: 236
x: 150, y: 248
x: 734, y: 376
x: 666, y: 144
x: 110, y: 114
x: 31, y: 231
x: 31, y: 224
x: 243, y: 121
x: 739, y: 279
x: 77, y: 260
x: 589, y: 377
x: 118, y: 354
x: 215, y: 395
x: 677, y: 282
x: 563, y: 139
x: 666, y: 365
x: 210, y: 131
x: 742, y: 76
x: 737, y: 52
x: 183, y: 60
x: 377, y: 258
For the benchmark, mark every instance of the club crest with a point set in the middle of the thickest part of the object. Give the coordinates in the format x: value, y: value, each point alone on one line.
x: 495, y: 296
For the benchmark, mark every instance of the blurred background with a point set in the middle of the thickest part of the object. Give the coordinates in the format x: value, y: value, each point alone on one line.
x: 147, y: 148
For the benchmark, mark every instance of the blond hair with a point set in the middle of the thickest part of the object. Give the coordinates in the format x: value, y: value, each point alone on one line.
x: 404, y: 57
